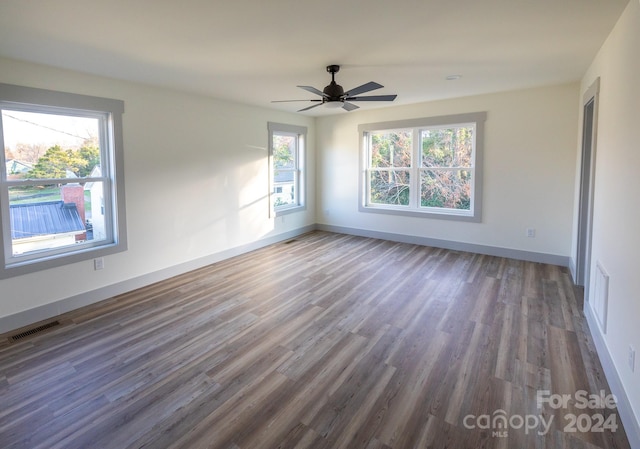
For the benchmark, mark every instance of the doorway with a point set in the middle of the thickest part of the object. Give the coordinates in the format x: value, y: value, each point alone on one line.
x: 587, y: 178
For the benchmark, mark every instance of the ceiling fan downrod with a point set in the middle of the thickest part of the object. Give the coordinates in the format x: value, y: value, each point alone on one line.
x: 333, y: 91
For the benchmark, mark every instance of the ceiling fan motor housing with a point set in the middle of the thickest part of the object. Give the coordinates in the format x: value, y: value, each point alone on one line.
x: 334, y: 91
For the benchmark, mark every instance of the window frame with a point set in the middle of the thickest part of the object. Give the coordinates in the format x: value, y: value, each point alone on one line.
x: 414, y: 209
x: 109, y: 113
x: 300, y: 133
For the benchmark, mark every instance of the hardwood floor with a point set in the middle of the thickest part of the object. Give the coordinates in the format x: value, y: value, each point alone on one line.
x: 326, y: 342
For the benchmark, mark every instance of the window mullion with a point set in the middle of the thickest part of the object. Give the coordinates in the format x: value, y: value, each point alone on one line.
x: 49, y: 181
x: 416, y: 164
x: 296, y: 171
x: 6, y: 223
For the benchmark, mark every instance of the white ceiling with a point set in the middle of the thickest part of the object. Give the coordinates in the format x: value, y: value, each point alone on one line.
x: 255, y: 51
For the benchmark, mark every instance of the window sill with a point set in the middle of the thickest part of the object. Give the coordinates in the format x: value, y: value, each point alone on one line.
x: 289, y: 210
x: 441, y: 215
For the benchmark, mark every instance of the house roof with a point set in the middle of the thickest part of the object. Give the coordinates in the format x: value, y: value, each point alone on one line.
x: 46, y: 218
x: 283, y: 177
x: 15, y: 166
x: 256, y: 51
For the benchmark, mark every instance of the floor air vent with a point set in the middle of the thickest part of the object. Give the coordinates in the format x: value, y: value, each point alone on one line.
x: 34, y: 331
x: 601, y: 296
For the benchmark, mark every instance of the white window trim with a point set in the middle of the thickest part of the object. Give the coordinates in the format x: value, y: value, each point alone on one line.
x: 475, y: 118
x: 301, y: 133
x: 33, y: 99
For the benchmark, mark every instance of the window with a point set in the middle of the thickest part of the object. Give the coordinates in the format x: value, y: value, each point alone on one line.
x: 286, y: 154
x: 423, y: 167
x: 62, y: 193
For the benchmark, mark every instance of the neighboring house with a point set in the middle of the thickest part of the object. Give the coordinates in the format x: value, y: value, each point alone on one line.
x: 36, y: 226
x: 16, y: 168
x: 283, y: 184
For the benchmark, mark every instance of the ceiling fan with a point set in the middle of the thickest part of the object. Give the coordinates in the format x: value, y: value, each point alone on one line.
x: 334, y: 95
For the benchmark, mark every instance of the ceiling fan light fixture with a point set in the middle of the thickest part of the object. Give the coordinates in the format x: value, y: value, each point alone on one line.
x: 333, y: 104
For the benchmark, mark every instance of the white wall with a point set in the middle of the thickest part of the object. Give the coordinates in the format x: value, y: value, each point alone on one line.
x: 529, y: 160
x: 196, y: 180
x: 196, y: 183
x: 616, y: 243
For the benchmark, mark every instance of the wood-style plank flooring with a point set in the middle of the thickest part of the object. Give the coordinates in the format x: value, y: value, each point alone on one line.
x: 326, y: 342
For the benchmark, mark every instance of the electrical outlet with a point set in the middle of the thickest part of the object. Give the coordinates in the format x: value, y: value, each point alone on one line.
x: 98, y: 264
x: 531, y: 232
x: 632, y: 358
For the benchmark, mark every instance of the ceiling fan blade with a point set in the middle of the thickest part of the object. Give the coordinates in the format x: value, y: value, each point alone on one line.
x: 313, y: 90
x: 309, y: 107
x: 373, y: 98
x: 289, y: 101
x: 349, y: 106
x: 364, y: 88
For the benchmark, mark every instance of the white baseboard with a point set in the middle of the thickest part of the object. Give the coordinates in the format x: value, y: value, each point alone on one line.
x: 627, y: 416
x: 573, y: 269
x: 530, y: 256
x: 47, y: 311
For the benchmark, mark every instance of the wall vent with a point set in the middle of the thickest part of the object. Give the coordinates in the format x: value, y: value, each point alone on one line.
x: 33, y: 331
x: 601, y: 296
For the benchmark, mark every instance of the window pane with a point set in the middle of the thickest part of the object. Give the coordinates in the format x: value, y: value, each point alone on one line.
x: 447, y: 147
x: 284, y: 188
x: 390, y: 149
x: 55, y: 216
x: 286, y: 183
x: 284, y: 150
x: 446, y: 188
x: 390, y: 187
x: 40, y: 145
